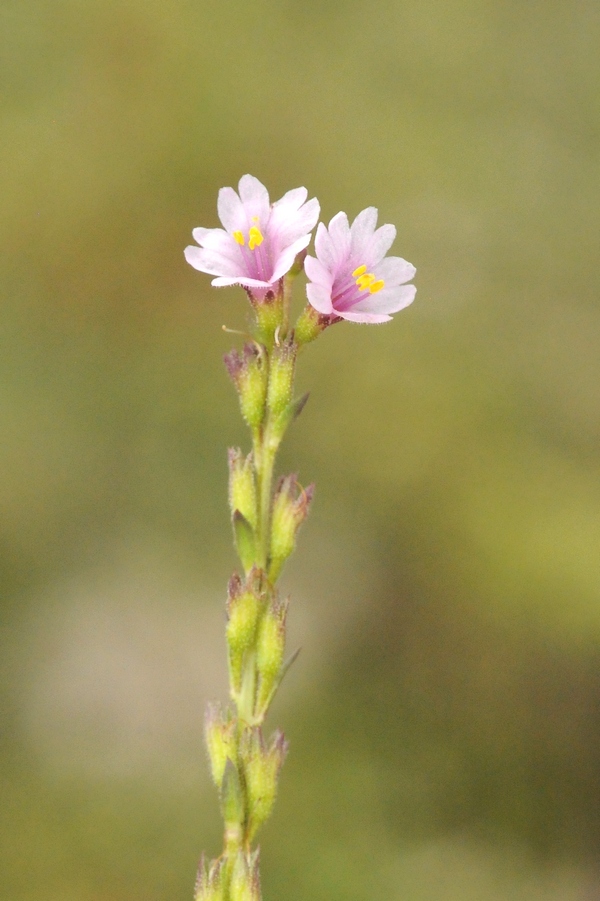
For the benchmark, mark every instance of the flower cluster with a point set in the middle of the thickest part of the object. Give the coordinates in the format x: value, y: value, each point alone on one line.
x: 349, y: 278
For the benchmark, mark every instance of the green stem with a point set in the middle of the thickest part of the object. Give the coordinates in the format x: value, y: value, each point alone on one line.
x: 287, y: 298
x: 265, y: 446
x: 265, y: 483
x: 265, y: 451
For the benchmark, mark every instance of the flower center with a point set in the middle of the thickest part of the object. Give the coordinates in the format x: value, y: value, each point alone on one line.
x: 255, y: 236
x: 368, y: 280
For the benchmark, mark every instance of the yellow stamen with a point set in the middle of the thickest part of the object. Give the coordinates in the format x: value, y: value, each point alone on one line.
x: 376, y: 286
x: 239, y: 238
x: 359, y: 271
x: 365, y: 281
x: 255, y: 237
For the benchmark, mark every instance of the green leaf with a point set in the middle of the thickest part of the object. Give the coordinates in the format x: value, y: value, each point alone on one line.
x: 245, y: 540
x: 288, y: 415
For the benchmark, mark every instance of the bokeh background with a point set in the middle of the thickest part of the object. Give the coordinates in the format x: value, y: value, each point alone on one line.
x: 444, y: 716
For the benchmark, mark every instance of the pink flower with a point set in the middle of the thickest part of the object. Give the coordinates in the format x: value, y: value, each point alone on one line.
x: 351, y: 276
x: 259, y: 241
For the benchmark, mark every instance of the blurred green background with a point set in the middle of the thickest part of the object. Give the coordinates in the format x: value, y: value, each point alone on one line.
x: 444, y: 716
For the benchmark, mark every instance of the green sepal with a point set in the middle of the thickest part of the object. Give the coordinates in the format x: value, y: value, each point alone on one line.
x: 269, y: 316
x: 245, y: 540
x: 310, y: 324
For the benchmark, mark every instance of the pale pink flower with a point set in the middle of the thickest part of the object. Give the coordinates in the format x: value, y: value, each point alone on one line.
x: 259, y: 240
x: 351, y: 276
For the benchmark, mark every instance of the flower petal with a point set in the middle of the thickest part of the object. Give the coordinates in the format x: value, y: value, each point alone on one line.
x: 199, y: 233
x: 339, y: 230
x: 255, y: 198
x: 325, y: 248
x: 318, y: 273
x: 240, y: 280
x: 291, y: 200
x: 287, y: 224
x: 395, y: 271
x: 286, y: 258
x: 231, y: 210
x: 217, y: 239
x: 388, y: 300
x: 362, y: 231
x: 351, y: 316
x: 211, y: 262
x: 320, y: 298
x: 380, y: 243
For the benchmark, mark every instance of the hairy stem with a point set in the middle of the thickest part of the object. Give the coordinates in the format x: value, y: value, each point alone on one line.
x: 265, y: 451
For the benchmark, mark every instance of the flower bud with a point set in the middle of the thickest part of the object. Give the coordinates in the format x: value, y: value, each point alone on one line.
x: 245, y: 884
x: 242, y: 486
x: 232, y: 803
x: 310, y: 324
x: 243, y: 610
x: 261, y: 770
x: 281, y: 377
x: 210, y: 884
x: 249, y: 375
x: 270, y: 647
x: 219, y: 734
x: 290, y: 508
